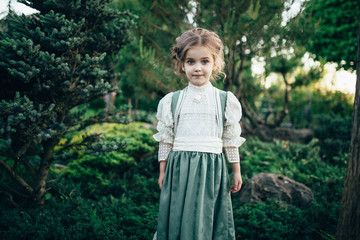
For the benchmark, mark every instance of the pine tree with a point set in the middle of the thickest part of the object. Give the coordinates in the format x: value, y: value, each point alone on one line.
x: 50, y: 63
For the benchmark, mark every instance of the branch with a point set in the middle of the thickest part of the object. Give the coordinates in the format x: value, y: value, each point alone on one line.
x: 31, y: 170
x: 10, y: 198
x: 285, y: 110
x: 86, y: 139
x: 20, y: 153
x: 239, y: 76
x: 101, y: 118
x: 16, y: 177
x: 250, y: 114
x: 10, y: 189
x: 47, y: 156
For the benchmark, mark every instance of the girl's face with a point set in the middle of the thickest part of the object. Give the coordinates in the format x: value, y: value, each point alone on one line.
x: 198, y: 65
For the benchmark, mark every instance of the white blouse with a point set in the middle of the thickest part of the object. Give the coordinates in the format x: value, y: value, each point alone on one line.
x: 198, y: 124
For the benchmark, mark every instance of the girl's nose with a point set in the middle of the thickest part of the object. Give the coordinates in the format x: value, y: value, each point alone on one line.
x: 197, y: 67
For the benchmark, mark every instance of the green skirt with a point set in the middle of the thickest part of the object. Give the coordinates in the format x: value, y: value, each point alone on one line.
x: 195, y: 201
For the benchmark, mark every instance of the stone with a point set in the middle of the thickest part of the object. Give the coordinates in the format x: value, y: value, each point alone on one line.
x: 268, y: 185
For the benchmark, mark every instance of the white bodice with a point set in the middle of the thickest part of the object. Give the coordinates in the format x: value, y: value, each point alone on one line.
x: 198, y: 122
x: 198, y: 116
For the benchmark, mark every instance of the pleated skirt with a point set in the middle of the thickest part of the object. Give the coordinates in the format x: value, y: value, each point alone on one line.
x: 195, y: 202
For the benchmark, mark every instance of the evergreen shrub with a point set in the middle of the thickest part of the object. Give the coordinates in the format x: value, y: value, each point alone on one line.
x: 98, y: 174
x: 116, y: 196
x: 334, y: 134
x: 271, y: 220
x: 301, y: 162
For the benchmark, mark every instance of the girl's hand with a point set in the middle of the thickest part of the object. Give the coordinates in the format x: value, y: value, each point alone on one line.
x: 237, y: 183
x: 162, y: 168
x: 161, y: 179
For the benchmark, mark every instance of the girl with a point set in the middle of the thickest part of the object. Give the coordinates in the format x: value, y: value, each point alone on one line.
x: 195, y: 124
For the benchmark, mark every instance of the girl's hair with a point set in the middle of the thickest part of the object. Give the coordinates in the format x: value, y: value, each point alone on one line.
x: 199, y: 37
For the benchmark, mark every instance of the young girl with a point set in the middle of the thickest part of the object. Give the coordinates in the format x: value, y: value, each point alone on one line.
x: 195, y: 125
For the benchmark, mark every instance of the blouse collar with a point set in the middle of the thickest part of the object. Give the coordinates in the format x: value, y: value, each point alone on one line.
x: 200, y: 89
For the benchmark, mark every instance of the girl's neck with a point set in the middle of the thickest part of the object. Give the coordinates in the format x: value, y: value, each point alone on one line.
x: 200, y: 88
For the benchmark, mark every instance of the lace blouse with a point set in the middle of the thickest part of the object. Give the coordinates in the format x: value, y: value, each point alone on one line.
x: 197, y: 126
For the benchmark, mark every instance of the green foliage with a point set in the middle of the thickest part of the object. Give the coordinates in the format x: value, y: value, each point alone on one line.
x: 299, y: 162
x: 144, y: 116
x: 328, y: 113
x: 107, y: 218
x: 97, y: 174
x: 51, y: 62
x: 249, y: 29
x: 334, y: 133
x: 122, y: 203
x: 145, y: 67
x: 303, y: 164
x: 307, y: 104
x: 334, y: 25
x: 270, y: 220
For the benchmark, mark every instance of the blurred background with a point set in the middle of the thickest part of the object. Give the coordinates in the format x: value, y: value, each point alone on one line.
x: 80, y: 84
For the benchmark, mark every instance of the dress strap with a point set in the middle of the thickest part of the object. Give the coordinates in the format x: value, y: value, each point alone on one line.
x: 221, y: 97
x: 176, y: 103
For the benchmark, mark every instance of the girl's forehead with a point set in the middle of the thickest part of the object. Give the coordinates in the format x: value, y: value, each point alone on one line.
x: 198, y: 52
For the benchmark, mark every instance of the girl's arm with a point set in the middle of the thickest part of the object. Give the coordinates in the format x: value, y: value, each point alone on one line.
x: 162, y: 173
x: 237, y: 177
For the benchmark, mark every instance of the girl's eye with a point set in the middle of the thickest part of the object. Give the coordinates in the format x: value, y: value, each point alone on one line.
x: 205, y: 61
x: 190, y: 61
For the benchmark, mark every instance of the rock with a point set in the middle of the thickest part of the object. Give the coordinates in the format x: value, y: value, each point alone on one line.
x: 268, y: 185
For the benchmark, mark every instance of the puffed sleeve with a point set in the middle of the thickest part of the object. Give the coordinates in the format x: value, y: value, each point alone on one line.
x: 165, y: 134
x: 232, y: 130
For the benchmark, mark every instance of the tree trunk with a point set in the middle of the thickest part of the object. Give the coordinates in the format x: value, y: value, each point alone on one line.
x: 285, y: 110
x: 349, y: 218
x: 43, y: 171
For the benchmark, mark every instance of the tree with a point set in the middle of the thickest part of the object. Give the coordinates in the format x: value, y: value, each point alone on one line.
x: 349, y: 218
x: 51, y: 62
x: 145, y: 65
x: 254, y: 30
x: 331, y: 21
x: 250, y: 29
x: 334, y: 27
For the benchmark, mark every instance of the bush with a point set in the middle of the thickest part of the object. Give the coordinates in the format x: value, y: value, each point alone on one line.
x: 271, y: 220
x: 307, y: 104
x: 116, y: 196
x: 334, y: 134
x: 303, y: 164
x: 81, y: 218
x: 99, y: 175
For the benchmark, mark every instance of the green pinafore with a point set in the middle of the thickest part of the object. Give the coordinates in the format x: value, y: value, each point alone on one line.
x: 195, y: 202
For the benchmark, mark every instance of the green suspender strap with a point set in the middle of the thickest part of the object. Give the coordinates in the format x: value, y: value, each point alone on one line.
x: 223, y: 98
x: 174, y: 100
x: 175, y: 104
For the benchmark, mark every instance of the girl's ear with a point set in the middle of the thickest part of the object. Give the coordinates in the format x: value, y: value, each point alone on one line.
x: 183, y: 67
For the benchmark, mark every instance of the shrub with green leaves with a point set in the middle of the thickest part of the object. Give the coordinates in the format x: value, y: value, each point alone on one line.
x: 98, y: 172
x: 270, y: 220
x: 301, y: 162
x: 334, y: 133
x: 51, y: 62
x: 116, y: 196
x: 81, y: 219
